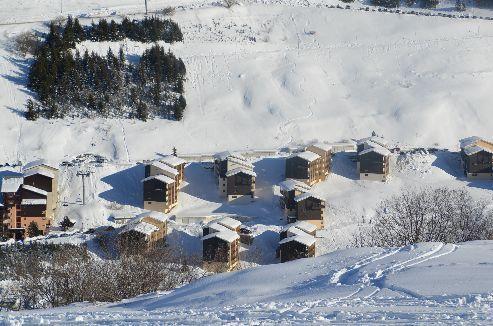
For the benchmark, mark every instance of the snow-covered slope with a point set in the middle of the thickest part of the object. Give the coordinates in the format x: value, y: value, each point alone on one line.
x: 270, y: 75
x: 432, y: 282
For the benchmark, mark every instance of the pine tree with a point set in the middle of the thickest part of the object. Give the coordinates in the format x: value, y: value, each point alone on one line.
x: 32, y: 111
x: 33, y: 230
x: 66, y: 223
x: 142, y: 111
x: 79, y: 33
x: 174, y: 151
x: 68, y: 34
x: 179, y: 108
x: 460, y: 5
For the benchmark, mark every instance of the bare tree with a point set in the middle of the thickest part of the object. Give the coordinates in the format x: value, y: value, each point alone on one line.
x: 230, y: 3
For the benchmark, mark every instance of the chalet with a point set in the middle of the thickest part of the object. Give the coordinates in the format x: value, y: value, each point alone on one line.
x: 221, y: 224
x: 160, y: 193
x: 298, y: 245
x: 476, y: 155
x: 325, y: 153
x: 146, y: 230
x: 158, y: 168
x: 373, y: 163
x: 221, y: 250
x: 291, y: 188
x: 176, y: 163
x: 372, y: 141
x: 310, y: 208
x: 235, y: 176
x: 307, y: 166
x: 45, y: 179
x: 297, y: 227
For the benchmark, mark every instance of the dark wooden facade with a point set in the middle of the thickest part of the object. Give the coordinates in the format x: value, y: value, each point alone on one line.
x: 480, y: 162
x: 293, y: 250
x: 39, y: 181
x: 240, y: 184
x: 298, y: 168
x: 311, y: 210
x: 219, y: 254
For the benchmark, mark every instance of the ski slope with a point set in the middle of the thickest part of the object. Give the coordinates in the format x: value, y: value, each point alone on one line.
x: 428, y: 282
x: 273, y: 74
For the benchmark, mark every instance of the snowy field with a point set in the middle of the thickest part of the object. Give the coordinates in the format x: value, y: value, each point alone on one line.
x: 267, y: 76
x: 429, y: 282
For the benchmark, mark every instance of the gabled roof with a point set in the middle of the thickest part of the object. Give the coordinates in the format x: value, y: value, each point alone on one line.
x: 291, y: 184
x: 35, y: 190
x: 140, y: 227
x: 374, y: 139
x: 152, y: 214
x: 306, y: 155
x: 307, y: 195
x: 377, y: 149
x: 161, y: 178
x: 304, y: 239
x: 227, y: 235
x: 322, y: 146
x: 242, y: 162
x: 241, y: 170
x: 38, y: 163
x: 37, y: 170
x: 474, y: 144
x: 11, y: 184
x: 471, y: 150
x: 165, y: 167
x: 227, y: 154
x: 33, y: 202
x: 228, y: 222
x: 216, y: 227
x: 301, y: 225
x: 469, y: 141
x: 172, y: 160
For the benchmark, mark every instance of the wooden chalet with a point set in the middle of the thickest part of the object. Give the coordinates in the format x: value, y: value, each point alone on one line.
x: 291, y: 188
x: 295, y: 228
x: 371, y: 141
x: 325, y: 153
x: 374, y: 163
x: 144, y: 231
x: 160, y: 193
x: 176, y: 163
x: 296, y: 246
x: 307, y: 166
x: 221, y: 250
x: 235, y: 176
x: 45, y: 179
x: 477, y: 158
x: 158, y: 168
x: 310, y: 208
x: 221, y: 224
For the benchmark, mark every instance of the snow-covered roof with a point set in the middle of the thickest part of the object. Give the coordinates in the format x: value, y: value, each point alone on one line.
x: 239, y: 161
x: 322, y: 146
x: 160, y: 177
x: 306, y: 155
x: 304, y: 239
x: 374, y: 139
x: 240, y: 170
x: 469, y: 141
x: 11, y: 184
x: 152, y: 214
x: 172, y: 160
x: 377, y: 149
x: 36, y: 190
x: 37, y: 170
x: 226, y: 235
x: 33, y: 202
x: 291, y: 184
x: 165, y: 167
x: 228, y: 222
x: 471, y: 150
x: 301, y: 225
x: 38, y: 163
x: 222, y: 155
x: 216, y: 227
x: 307, y: 195
x: 141, y: 227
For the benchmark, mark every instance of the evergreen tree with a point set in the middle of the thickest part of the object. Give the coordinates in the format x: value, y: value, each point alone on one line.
x: 33, y: 230
x: 142, y: 111
x: 32, y: 111
x: 69, y: 34
x: 460, y: 5
x: 174, y: 151
x: 179, y: 108
x: 66, y: 223
x: 79, y: 33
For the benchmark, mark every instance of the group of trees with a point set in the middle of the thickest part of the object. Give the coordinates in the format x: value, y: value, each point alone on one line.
x: 46, y: 275
x: 70, y: 83
x: 441, y: 214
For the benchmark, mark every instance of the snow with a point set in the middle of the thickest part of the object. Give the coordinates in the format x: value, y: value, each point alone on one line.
x: 302, y: 225
x: 159, y: 177
x: 171, y: 160
x: 377, y: 149
x: 35, y: 190
x: 307, y: 156
x: 33, y: 202
x: 165, y: 167
x: 322, y: 146
x: 304, y: 239
x: 307, y: 195
x: 140, y: 227
x: 155, y: 215
x: 226, y: 235
x: 39, y: 163
x: 34, y: 171
x: 11, y: 184
x: 420, y: 284
x: 291, y: 184
x: 473, y: 149
x: 228, y: 222
x: 240, y: 170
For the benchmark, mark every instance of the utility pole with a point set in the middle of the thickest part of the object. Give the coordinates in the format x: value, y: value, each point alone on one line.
x: 83, y: 174
x: 146, y: 6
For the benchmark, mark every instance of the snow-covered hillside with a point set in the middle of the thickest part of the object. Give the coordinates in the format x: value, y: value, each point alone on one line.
x: 429, y: 282
x: 270, y: 75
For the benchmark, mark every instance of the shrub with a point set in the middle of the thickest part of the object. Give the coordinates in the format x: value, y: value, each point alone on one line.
x: 26, y: 43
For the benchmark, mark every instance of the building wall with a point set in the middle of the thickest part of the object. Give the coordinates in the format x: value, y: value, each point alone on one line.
x: 297, y: 168
x: 219, y: 255
x: 373, y: 177
x: 479, y: 163
x: 311, y: 210
x: 240, y: 184
x: 293, y: 250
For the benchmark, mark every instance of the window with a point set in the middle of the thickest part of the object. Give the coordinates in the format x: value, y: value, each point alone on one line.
x: 366, y: 174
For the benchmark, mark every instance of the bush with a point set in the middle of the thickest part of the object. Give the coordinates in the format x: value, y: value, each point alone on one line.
x: 54, y: 275
x: 386, y: 3
x: 26, y: 43
x: 442, y: 214
x: 229, y: 3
